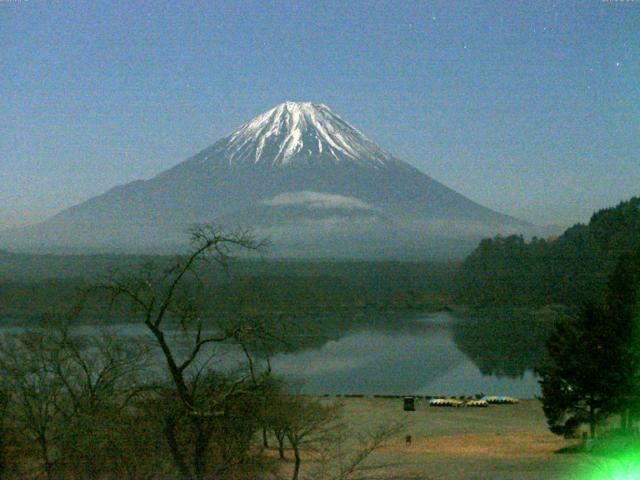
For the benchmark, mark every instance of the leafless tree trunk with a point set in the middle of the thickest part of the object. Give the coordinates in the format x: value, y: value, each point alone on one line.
x: 280, y: 437
x: 157, y: 298
x: 296, y: 462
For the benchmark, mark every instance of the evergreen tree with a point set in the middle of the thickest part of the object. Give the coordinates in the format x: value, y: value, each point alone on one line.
x: 577, y: 387
x: 623, y: 321
x: 594, y: 368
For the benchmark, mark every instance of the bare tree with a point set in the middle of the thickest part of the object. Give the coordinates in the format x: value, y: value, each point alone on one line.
x: 259, y: 349
x: 316, y: 428
x: 34, y: 391
x: 101, y: 374
x: 164, y: 301
x: 277, y: 418
x: 310, y: 425
x: 60, y: 387
x: 338, y: 464
x: 97, y: 369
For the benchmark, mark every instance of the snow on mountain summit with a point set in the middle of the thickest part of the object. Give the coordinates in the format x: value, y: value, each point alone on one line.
x: 299, y: 132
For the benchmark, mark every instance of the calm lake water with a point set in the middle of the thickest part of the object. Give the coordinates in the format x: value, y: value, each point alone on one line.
x: 437, y: 354
x: 422, y: 358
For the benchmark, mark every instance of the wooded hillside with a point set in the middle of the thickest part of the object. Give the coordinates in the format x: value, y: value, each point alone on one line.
x: 568, y: 269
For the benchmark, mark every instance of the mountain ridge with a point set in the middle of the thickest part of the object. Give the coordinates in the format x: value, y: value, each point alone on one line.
x: 299, y: 151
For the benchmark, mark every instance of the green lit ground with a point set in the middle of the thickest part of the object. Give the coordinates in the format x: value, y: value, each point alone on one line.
x: 615, y: 460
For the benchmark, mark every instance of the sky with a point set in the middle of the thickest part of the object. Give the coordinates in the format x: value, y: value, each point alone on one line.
x: 530, y: 108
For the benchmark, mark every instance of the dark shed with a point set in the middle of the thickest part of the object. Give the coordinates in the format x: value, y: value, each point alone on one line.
x: 409, y: 404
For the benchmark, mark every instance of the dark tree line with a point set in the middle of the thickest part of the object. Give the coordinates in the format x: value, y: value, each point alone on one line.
x: 570, y: 269
x: 33, y: 286
x: 594, y: 367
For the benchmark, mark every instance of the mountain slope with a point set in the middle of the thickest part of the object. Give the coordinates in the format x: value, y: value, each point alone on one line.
x: 298, y: 173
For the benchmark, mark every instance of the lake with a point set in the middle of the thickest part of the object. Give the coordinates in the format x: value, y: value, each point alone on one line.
x: 426, y: 357
x: 398, y: 354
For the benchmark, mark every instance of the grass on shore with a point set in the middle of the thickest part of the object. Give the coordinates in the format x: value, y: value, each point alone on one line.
x: 507, y: 442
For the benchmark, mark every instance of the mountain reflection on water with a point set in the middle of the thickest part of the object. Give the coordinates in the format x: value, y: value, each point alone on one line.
x: 436, y: 354
x: 388, y: 353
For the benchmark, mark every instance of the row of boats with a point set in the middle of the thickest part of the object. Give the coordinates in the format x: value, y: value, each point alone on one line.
x: 478, y: 403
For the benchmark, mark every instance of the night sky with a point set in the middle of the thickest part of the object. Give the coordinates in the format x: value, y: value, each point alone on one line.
x: 530, y: 108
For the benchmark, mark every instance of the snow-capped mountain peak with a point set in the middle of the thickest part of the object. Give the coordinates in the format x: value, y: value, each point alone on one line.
x: 298, y: 174
x: 299, y: 132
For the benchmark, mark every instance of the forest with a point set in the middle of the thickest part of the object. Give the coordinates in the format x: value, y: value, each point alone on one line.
x: 567, y: 270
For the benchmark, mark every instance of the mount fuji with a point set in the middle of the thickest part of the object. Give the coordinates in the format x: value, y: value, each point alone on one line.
x: 298, y: 174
